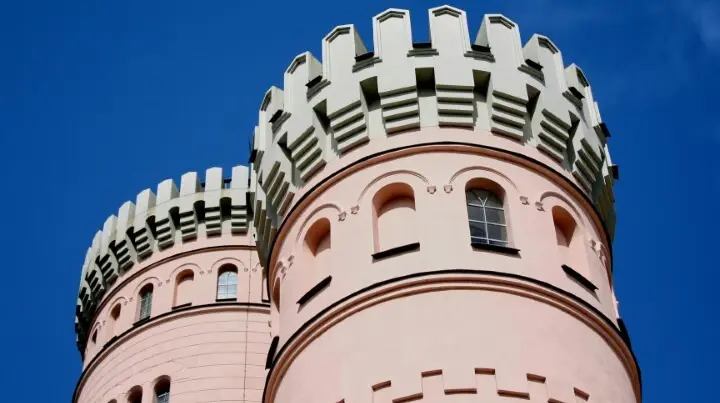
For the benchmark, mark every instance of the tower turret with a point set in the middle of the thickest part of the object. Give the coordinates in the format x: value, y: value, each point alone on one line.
x: 172, y: 301
x: 436, y: 218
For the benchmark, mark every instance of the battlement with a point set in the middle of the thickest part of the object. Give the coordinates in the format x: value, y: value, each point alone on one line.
x: 155, y: 222
x: 356, y: 103
x: 478, y: 384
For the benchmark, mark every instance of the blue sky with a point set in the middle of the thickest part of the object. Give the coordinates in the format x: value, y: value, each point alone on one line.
x: 99, y: 100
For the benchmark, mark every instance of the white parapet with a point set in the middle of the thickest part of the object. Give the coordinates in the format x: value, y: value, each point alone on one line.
x: 354, y: 96
x: 157, y: 221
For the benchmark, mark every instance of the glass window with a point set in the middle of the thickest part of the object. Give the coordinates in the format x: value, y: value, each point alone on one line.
x: 486, y: 217
x: 162, y: 391
x: 146, y: 303
x: 227, y: 283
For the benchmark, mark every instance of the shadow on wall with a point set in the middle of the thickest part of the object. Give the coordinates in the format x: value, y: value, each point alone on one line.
x: 393, y: 217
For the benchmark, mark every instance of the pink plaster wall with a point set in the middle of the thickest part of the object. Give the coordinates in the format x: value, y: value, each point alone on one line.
x: 211, y: 351
x: 440, y: 227
x: 456, y: 330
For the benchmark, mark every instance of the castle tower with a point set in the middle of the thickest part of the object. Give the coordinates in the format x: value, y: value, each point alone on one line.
x: 172, y: 305
x: 420, y: 222
x: 435, y: 220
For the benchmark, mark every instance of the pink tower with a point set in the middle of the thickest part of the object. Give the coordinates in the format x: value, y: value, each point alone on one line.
x: 421, y: 222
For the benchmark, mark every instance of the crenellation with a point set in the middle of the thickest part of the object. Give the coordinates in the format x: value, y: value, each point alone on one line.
x: 212, y: 194
x: 494, y: 84
x: 106, y: 259
x: 345, y: 105
x: 142, y: 233
x: 167, y: 192
x: 305, y: 135
x: 454, y: 81
x: 149, y: 225
x: 124, y: 254
x: 93, y: 275
x: 479, y: 384
x: 396, y: 82
x: 551, y: 121
x: 190, y: 193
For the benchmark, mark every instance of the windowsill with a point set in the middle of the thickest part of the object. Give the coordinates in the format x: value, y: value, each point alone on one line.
x: 225, y: 299
x: 495, y: 248
x: 398, y: 250
x: 141, y: 321
x: 579, y: 278
x: 315, y: 290
x: 185, y: 305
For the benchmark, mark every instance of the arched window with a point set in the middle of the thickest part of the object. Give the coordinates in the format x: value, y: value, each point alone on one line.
x: 183, y: 288
x: 135, y: 395
x: 145, y: 304
x: 114, y: 316
x: 317, y: 240
x: 94, y: 337
x: 571, y: 248
x: 394, y: 217
x: 569, y: 240
x: 162, y: 391
x: 227, y: 282
x: 486, y: 216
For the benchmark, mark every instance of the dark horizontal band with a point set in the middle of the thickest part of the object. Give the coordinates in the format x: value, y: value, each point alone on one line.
x: 495, y: 248
x: 317, y: 288
x: 398, y: 250
x: 579, y: 278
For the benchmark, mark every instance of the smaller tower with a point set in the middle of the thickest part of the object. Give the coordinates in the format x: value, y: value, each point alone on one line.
x: 172, y: 301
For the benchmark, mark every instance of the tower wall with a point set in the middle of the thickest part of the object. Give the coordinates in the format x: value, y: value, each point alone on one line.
x: 436, y: 304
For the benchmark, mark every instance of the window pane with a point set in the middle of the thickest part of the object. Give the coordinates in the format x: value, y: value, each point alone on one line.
x: 477, y: 229
x: 500, y: 243
x: 476, y: 213
x: 232, y: 278
x: 478, y: 240
x: 495, y: 215
x: 481, y: 194
x: 497, y: 232
x: 493, y: 201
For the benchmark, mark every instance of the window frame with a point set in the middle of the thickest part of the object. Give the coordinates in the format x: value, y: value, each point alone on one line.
x: 472, y: 199
x: 145, y: 303
x: 225, y: 289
